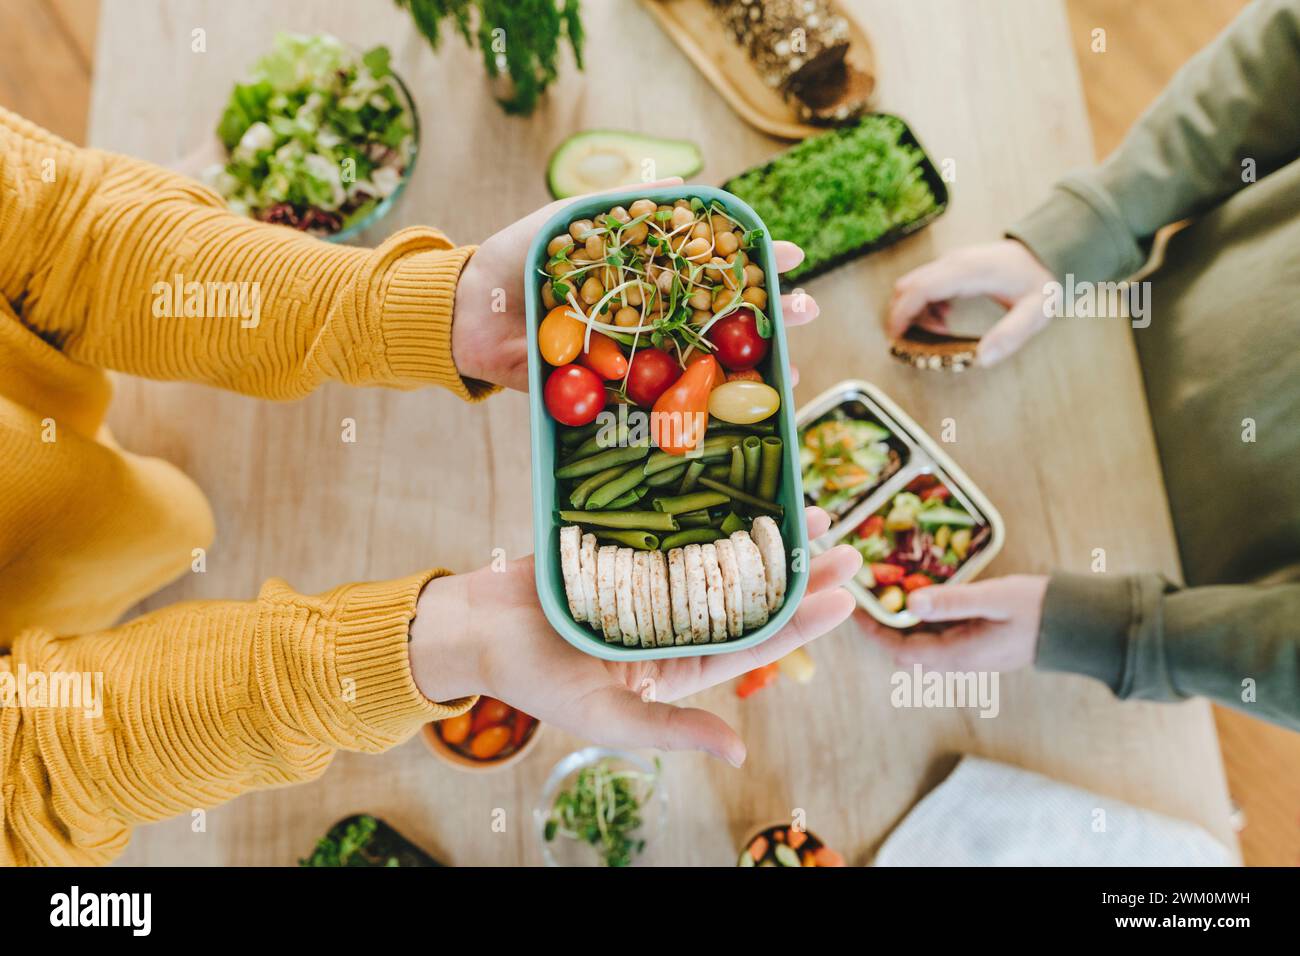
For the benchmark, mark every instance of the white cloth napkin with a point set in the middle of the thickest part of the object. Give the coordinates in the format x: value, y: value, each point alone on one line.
x: 993, y: 814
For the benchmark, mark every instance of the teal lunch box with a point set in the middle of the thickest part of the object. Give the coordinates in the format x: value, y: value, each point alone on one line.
x: 546, y: 502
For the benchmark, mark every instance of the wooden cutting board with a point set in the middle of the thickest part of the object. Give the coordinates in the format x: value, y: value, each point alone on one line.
x: 699, y: 32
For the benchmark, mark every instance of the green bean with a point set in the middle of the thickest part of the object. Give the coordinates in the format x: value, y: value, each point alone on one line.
x: 641, y: 540
x: 692, y: 475
x: 732, y: 523
x: 736, y: 473
x: 571, y: 437
x: 765, y: 427
x: 662, y: 478
x: 602, y: 496
x: 719, y: 472
x: 594, y: 443
x: 628, y: 498
x: 752, y: 449
x: 737, y: 495
x: 713, y: 448
x: 769, y: 472
x: 634, y: 520
x: 694, y: 519
x: 581, y: 493
x: 678, y: 504
x: 599, y: 462
x: 690, y: 536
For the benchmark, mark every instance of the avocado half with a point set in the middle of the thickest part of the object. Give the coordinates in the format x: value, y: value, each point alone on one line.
x: 603, y: 158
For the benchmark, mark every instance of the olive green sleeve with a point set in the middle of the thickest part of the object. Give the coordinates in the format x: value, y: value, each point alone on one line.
x: 1147, y: 639
x: 1222, y: 123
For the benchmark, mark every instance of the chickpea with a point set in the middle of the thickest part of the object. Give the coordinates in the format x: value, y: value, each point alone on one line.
x: 664, y: 209
x: 579, y: 229
x: 619, y: 213
x: 700, y: 299
x: 562, y: 269
x: 697, y: 248
x: 548, y: 296
x: 664, y: 282
x: 738, y: 254
x: 559, y: 244
x: 755, y: 296
x: 632, y: 295
x: 722, y: 297
x: 677, y: 243
x: 627, y: 317
x: 727, y: 243
x: 753, y: 275
x: 682, y: 204
x: 595, y: 248
x: 642, y: 207
x: 635, y: 235
x: 592, y: 290
x: 681, y: 216
x: 700, y: 316
x: 701, y: 231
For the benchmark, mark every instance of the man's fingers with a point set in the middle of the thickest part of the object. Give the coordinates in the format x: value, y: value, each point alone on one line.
x: 798, y: 308
x: 957, y: 602
x: 817, y: 520
x: 621, y: 718
x: 787, y: 254
x: 1026, y: 318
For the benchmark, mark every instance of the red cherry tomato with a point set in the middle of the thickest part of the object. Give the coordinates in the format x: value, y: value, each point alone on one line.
x: 938, y: 491
x: 886, y: 574
x: 873, y: 525
x: 682, y: 412
x: 652, y: 372
x: 916, y: 581
x: 604, y: 357
x: 574, y: 395
x: 921, y: 482
x: 738, y: 344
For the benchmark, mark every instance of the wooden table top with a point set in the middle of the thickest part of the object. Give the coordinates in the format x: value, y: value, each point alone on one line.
x: 1058, y: 438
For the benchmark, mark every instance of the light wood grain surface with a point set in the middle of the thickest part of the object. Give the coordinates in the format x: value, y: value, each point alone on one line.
x: 1058, y: 437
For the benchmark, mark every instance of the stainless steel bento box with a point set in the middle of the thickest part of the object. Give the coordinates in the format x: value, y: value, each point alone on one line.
x: 919, y: 455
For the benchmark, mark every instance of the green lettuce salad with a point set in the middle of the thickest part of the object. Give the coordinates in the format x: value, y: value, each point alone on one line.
x: 317, y: 136
x: 833, y: 194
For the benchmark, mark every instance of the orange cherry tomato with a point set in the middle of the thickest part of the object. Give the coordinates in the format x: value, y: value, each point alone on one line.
x: 692, y: 357
x: 825, y: 856
x: 604, y: 357
x: 488, y: 743
x: 758, y: 849
x: 488, y: 712
x: 757, y: 679
x: 681, y: 413
x: 454, y: 730
x: 796, y: 839
x: 916, y: 581
x: 559, y: 337
x: 523, y: 724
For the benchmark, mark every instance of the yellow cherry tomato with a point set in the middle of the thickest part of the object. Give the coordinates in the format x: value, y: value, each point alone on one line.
x: 743, y: 403
x: 560, y: 335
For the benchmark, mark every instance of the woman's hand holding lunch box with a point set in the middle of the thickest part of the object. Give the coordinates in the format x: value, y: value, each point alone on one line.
x: 485, y: 633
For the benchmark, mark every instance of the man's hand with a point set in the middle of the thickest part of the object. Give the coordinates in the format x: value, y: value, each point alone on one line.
x: 485, y: 633
x: 1004, y: 271
x: 997, y: 629
x: 493, y: 346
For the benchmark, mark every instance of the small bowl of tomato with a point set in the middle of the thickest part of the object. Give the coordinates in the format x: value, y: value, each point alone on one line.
x: 491, y: 735
x: 780, y: 844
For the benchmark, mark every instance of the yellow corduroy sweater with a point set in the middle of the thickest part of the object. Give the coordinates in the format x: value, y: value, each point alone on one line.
x: 204, y: 700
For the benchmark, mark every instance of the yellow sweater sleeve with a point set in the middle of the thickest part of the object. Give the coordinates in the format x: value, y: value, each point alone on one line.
x: 187, y: 707
x: 121, y: 264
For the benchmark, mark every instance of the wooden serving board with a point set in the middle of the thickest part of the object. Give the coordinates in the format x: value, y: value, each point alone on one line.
x: 699, y: 32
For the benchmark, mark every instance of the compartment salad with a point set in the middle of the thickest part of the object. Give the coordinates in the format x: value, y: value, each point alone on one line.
x: 920, y: 537
x: 668, y: 502
x: 316, y: 137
